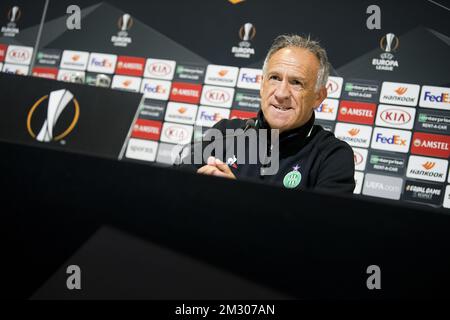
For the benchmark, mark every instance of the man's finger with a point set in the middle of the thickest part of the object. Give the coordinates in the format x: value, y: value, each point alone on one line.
x: 207, y: 170
x: 223, y: 166
x: 218, y: 173
x: 211, y: 161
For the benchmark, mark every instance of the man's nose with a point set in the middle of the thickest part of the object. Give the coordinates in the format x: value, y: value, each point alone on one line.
x: 282, y: 92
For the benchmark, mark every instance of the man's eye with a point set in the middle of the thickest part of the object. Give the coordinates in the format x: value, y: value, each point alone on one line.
x: 296, y: 82
x: 277, y: 78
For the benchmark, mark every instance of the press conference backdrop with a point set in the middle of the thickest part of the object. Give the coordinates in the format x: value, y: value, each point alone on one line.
x: 197, y: 62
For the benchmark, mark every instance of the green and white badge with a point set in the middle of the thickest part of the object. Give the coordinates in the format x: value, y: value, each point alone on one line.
x: 293, y: 178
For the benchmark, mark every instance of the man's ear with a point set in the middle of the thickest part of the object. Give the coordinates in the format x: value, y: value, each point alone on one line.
x: 321, y: 95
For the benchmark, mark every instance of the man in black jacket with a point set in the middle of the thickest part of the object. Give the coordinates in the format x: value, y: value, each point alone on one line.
x: 295, y: 74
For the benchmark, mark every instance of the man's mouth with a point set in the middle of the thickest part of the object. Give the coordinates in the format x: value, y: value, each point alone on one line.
x: 281, y: 108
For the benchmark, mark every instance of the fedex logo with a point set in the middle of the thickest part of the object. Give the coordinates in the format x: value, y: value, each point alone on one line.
x: 102, y: 63
x: 327, y: 110
x: 443, y: 97
x: 156, y: 89
x: 208, y: 116
x: 250, y: 79
x: 435, y: 98
x: 391, y: 140
x: 152, y: 88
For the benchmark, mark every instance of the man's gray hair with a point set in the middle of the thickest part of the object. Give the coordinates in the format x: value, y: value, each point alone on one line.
x: 293, y: 40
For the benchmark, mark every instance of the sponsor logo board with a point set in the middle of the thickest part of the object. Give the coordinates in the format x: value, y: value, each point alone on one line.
x: 327, y: 110
x: 395, y: 116
x: 382, y: 186
x: 391, y: 140
x: 143, y: 150
x: 217, y: 96
x: 355, y: 135
x: 404, y: 94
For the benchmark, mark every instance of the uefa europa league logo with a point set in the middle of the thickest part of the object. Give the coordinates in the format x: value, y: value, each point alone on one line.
x: 57, y: 103
x: 125, y: 22
x: 14, y: 14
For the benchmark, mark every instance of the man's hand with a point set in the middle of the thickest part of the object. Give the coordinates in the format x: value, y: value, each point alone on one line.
x: 217, y: 168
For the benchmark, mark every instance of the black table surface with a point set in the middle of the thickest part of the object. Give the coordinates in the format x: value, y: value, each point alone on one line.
x: 299, y: 244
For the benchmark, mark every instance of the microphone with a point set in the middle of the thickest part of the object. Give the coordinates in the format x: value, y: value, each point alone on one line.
x: 250, y: 123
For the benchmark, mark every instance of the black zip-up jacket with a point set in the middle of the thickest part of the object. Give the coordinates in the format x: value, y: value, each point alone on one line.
x: 309, y: 158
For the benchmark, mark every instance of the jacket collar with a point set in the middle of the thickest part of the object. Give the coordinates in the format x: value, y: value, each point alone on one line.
x: 293, y: 138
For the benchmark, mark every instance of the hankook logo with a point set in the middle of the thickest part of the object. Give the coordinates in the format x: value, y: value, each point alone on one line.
x: 57, y: 103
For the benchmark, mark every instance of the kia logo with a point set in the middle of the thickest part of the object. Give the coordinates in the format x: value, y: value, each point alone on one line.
x: 395, y: 116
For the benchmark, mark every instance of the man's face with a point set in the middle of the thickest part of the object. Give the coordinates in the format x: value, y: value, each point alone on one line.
x: 288, y: 95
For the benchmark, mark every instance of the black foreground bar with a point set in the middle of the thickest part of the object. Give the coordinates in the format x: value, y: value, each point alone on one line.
x: 302, y: 245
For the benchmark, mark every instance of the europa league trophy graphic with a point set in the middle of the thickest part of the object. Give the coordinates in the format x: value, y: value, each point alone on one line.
x: 125, y: 23
x: 247, y: 29
x: 14, y: 14
x: 389, y: 38
x: 57, y: 102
